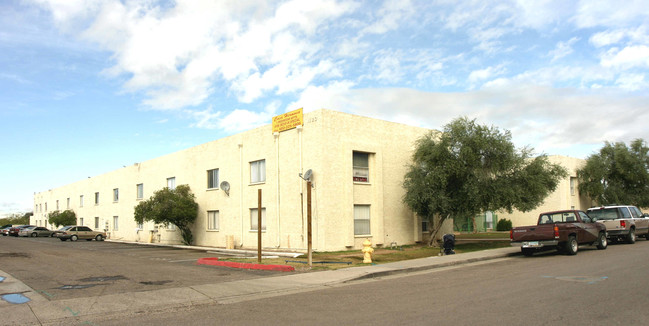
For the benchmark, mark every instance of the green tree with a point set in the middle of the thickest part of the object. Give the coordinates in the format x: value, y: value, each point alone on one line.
x: 471, y: 168
x: 617, y: 174
x: 170, y: 206
x: 67, y: 217
x: 16, y: 219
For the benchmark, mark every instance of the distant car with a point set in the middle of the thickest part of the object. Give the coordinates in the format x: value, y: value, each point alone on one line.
x: 75, y: 232
x: 15, y: 229
x: 5, y: 230
x: 35, y: 231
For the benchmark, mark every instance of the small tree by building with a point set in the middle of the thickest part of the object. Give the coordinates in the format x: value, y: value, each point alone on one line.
x: 472, y: 168
x: 617, y: 174
x: 57, y: 218
x: 170, y: 206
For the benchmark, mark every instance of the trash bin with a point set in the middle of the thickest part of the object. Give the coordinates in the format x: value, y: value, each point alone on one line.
x: 449, y: 244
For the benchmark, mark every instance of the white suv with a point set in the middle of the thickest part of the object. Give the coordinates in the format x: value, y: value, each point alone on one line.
x: 623, y: 222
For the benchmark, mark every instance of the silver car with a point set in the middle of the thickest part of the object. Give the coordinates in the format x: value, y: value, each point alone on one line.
x: 35, y: 231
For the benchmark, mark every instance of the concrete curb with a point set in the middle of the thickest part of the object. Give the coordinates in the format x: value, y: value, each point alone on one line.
x: 213, y: 261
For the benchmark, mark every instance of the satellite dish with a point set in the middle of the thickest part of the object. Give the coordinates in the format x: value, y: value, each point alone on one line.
x: 225, y: 186
x: 308, y: 174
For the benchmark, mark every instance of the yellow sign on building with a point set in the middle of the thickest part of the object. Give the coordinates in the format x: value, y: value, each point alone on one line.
x: 288, y: 120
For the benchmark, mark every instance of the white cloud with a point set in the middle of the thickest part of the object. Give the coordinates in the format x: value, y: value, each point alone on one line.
x: 237, y: 120
x: 391, y: 15
x: 610, y: 13
x: 563, y: 49
x: 484, y: 74
x: 628, y: 57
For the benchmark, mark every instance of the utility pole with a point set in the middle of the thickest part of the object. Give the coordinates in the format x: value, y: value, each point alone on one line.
x: 308, y: 224
x: 259, y: 226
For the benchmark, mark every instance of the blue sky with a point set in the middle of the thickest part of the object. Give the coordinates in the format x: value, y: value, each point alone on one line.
x: 87, y: 87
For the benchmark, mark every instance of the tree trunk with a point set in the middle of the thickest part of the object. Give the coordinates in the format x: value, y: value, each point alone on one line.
x: 436, y: 228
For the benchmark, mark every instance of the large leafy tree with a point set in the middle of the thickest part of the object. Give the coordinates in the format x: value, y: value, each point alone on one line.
x: 170, y: 206
x: 471, y: 168
x: 617, y: 174
x: 16, y: 219
x: 67, y: 217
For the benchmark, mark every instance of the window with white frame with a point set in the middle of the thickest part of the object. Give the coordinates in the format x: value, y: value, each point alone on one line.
x: 140, y: 191
x: 362, y: 220
x: 171, y: 183
x: 81, y: 221
x: 212, y: 179
x: 96, y: 198
x: 254, y: 219
x: 171, y: 227
x: 361, y: 165
x: 116, y: 195
x: 96, y: 222
x: 81, y: 201
x: 115, y: 223
x: 68, y: 204
x: 258, y: 171
x: 213, y: 220
x: 425, y: 225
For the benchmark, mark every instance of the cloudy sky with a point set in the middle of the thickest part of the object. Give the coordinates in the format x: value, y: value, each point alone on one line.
x: 87, y: 87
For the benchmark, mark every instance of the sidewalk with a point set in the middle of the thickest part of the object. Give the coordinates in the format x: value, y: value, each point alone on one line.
x: 40, y: 311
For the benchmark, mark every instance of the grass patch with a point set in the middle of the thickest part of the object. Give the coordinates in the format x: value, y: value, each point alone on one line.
x: 335, y: 260
x: 483, y: 235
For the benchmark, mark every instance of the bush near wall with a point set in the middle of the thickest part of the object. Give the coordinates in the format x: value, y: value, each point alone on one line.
x: 504, y: 225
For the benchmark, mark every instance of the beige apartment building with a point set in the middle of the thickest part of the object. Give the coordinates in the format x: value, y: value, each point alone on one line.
x: 357, y: 166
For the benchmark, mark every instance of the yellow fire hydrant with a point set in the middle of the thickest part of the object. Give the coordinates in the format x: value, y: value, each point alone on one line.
x: 367, y: 251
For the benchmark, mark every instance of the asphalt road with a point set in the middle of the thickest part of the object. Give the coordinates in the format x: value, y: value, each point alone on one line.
x: 595, y: 287
x: 65, y: 269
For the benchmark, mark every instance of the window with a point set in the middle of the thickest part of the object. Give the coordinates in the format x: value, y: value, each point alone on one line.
x: 361, y: 219
x: 140, y: 191
x: 46, y: 207
x: 81, y: 201
x: 140, y: 226
x: 96, y: 198
x: 80, y: 220
x: 258, y: 171
x: 573, y: 186
x: 68, y: 204
x: 57, y: 204
x: 361, y: 162
x: 115, y: 195
x: 425, y: 226
x: 213, y: 179
x: 213, y: 220
x: 254, y: 218
x: 171, y: 183
x: 96, y: 222
x: 171, y: 227
x: 115, y: 223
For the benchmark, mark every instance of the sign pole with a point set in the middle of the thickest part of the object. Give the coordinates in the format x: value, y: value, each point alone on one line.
x: 259, y: 226
x: 308, y: 224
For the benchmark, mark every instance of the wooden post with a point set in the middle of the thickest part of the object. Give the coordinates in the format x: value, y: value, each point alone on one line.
x: 308, y: 224
x: 259, y: 226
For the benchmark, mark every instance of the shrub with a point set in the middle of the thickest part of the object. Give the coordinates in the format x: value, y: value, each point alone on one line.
x: 504, y: 225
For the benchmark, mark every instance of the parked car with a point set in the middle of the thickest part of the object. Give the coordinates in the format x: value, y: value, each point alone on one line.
x: 623, y: 222
x: 564, y: 230
x: 15, y: 229
x: 56, y: 233
x: 75, y: 232
x: 35, y: 231
x: 5, y: 230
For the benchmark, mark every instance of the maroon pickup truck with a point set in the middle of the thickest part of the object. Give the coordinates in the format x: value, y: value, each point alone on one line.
x: 563, y: 230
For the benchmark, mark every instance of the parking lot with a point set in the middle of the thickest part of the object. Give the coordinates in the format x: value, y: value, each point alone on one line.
x: 61, y: 270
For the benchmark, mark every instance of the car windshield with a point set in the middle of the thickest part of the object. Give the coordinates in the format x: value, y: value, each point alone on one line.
x: 603, y: 214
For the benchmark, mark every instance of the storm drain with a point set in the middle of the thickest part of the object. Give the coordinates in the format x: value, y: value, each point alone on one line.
x: 155, y: 282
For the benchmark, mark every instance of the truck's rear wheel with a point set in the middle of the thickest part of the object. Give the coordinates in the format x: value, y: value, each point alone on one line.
x: 572, y: 246
x: 601, y: 241
x: 630, y: 238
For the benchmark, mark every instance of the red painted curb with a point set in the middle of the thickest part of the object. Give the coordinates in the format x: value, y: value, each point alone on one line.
x: 214, y: 261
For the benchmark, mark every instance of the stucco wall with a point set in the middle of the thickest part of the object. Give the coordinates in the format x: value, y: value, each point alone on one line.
x: 324, y: 144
